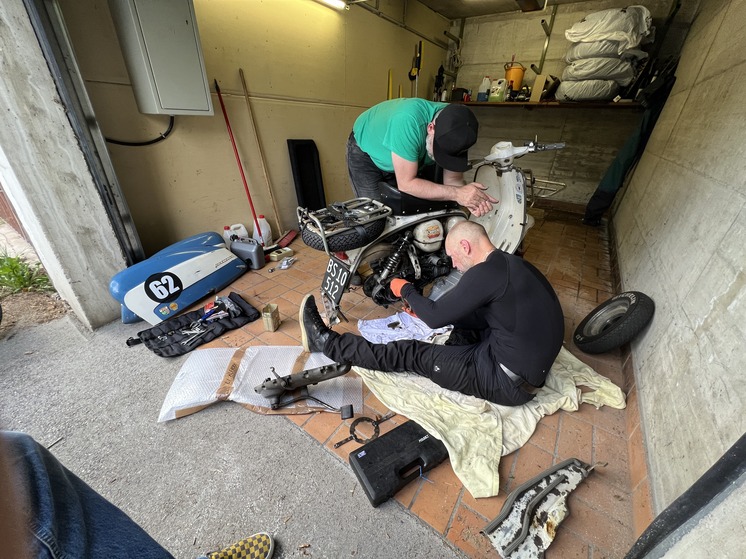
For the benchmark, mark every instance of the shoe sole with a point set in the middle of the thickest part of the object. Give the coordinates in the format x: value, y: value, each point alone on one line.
x: 303, y: 335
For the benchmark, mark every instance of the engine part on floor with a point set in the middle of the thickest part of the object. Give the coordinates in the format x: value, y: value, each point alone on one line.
x: 614, y: 322
x: 528, y: 521
x: 363, y: 440
x: 275, y: 388
x: 393, y: 460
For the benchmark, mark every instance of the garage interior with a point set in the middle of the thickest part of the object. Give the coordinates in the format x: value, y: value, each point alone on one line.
x: 676, y: 231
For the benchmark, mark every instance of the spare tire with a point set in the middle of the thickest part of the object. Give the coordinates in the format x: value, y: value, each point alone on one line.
x: 614, y: 322
x: 355, y: 237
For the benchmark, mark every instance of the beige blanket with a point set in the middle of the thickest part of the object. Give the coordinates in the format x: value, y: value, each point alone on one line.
x: 476, y: 432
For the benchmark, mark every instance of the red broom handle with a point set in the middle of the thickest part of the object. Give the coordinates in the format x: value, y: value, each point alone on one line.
x: 238, y: 161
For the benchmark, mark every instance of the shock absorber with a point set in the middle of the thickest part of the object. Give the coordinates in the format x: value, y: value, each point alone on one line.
x: 393, y: 261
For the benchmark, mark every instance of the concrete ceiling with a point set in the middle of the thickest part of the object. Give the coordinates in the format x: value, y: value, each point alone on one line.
x: 451, y: 9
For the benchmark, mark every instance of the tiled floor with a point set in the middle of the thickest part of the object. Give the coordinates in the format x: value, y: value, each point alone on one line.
x: 608, y: 510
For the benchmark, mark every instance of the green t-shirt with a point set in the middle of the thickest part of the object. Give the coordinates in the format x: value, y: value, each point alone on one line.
x: 396, y: 126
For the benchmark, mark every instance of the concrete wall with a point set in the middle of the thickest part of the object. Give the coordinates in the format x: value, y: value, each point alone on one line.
x: 310, y: 71
x: 593, y: 136
x: 46, y: 177
x: 681, y: 235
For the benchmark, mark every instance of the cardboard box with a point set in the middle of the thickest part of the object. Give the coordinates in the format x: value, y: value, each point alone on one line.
x: 271, y: 317
x: 538, y: 88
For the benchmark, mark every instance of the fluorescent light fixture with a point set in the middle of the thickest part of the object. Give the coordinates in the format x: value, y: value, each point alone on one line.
x: 337, y: 4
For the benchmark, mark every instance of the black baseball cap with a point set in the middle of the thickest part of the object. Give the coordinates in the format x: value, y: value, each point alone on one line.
x: 456, y: 130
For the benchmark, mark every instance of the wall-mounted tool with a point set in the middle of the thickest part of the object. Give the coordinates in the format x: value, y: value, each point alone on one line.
x: 414, y: 73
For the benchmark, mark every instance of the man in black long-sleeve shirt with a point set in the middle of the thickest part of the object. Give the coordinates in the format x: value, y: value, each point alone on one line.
x: 508, y: 326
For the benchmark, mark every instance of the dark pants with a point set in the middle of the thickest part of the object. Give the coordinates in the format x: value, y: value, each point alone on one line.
x: 364, y: 175
x: 453, y: 367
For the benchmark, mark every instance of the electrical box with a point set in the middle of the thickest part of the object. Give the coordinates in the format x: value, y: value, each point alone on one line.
x: 162, y: 51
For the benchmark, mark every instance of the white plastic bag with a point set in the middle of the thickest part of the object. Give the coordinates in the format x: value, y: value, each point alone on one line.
x: 628, y: 25
x: 587, y: 90
x: 615, y: 69
x: 602, y: 49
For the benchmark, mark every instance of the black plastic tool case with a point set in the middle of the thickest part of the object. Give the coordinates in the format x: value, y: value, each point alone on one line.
x: 388, y: 463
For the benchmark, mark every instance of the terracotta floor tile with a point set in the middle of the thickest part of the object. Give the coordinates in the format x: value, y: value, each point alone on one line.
x: 277, y: 338
x: 530, y: 462
x: 237, y: 337
x: 300, y: 419
x: 595, y: 492
x: 607, y: 510
x: 435, y: 501
x: 638, y: 468
x: 545, y: 438
x: 408, y: 493
x: 602, y: 531
x: 465, y: 534
x: 642, y: 513
x: 488, y: 507
x: 322, y: 425
x: 611, y: 449
x: 567, y: 545
x: 575, y: 439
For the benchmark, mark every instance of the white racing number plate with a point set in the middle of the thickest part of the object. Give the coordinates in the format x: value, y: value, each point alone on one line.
x: 335, y: 280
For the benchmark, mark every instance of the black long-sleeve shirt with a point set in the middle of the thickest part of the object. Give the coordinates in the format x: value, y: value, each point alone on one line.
x: 513, y: 307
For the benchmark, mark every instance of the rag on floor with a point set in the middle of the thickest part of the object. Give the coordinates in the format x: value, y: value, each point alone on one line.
x: 477, y: 432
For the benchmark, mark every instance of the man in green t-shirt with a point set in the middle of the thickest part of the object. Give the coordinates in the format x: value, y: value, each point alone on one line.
x: 399, y: 141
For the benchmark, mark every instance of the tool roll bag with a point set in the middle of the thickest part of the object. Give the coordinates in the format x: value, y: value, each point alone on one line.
x: 165, y: 339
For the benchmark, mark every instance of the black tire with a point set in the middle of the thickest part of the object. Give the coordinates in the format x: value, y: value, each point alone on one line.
x: 614, y: 322
x: 352, y: 238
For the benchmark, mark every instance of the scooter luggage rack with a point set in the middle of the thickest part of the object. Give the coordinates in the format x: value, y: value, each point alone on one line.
x: 341, y: 217
x: 541, y: 191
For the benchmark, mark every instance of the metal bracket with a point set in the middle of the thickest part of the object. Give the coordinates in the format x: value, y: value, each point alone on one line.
x: 548, y: 33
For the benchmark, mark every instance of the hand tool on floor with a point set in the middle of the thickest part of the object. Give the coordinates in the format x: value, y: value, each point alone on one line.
x: 362, y: 440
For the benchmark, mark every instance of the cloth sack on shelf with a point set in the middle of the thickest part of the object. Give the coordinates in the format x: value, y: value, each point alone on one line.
x: 629, y: 26
x: 621, y: 71
x: 587, y: 90
x: 602, y: 49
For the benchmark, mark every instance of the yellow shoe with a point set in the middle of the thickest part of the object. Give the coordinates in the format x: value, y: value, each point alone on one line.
x: 258, y: 546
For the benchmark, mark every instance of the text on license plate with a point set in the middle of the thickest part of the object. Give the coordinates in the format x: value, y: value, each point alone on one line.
x: 335, y: 279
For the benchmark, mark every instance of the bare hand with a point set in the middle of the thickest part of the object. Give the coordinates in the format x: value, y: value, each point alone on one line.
x: 473, y: 197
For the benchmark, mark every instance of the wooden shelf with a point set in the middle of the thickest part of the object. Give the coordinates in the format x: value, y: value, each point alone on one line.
x: 555, y: 105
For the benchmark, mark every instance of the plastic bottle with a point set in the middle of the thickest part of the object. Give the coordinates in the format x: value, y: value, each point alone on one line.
x: 484, y: 89
x: 227, y: 235
x: 264, y: 233
x: 497, y: 91
x: 239, y: 230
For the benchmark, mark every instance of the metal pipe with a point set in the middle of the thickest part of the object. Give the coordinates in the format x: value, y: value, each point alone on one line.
x: 401, y: 24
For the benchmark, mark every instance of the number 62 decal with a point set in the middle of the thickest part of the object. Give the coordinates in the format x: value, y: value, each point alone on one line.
x: 163, y: 287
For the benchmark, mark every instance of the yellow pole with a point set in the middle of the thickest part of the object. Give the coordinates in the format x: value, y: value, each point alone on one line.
x: 390, y: 90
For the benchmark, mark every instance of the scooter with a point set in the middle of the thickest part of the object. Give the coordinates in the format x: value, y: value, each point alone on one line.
x: 403, y: 237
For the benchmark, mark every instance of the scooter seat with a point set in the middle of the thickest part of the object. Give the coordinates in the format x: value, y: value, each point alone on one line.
x: 406, y: 204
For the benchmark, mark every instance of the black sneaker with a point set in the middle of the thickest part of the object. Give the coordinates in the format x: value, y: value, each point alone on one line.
x: 314, y: 332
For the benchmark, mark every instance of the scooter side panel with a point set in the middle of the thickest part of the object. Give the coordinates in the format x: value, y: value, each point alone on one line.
x: 158, y: 288
x: 505, y: 224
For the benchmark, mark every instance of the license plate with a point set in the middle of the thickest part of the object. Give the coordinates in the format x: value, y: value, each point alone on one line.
x: 336, y: 279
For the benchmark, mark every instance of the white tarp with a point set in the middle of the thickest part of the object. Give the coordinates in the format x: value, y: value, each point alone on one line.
x: 629, y: 26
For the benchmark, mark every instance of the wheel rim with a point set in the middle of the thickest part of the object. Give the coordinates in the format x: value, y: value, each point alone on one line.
x: 606, y: 318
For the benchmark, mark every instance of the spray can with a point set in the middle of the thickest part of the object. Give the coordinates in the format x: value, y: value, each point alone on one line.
x: 265, y: 232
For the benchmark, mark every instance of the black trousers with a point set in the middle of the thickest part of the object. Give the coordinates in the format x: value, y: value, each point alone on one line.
x: 453, y: 367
